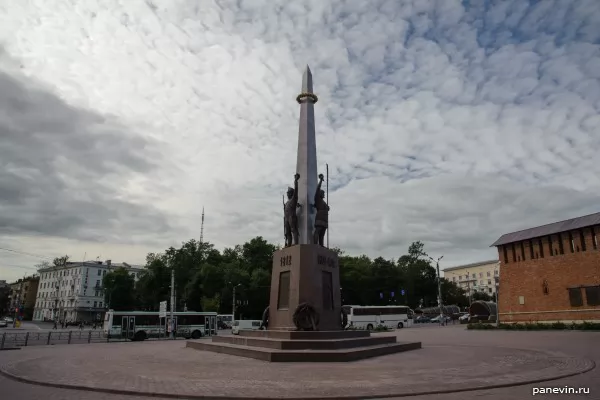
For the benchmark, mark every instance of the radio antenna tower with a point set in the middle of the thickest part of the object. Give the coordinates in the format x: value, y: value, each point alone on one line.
x: 202, y: 227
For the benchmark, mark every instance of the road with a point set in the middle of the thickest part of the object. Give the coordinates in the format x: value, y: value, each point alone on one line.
x: 41, y: 334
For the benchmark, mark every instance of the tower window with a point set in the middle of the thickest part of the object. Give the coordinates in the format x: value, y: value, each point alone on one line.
x: 552, y: 252
x: 505, y: 251
x: 541, y: 247
x: 514, y: 253
x: 594, y: 239
x: 522, y: 251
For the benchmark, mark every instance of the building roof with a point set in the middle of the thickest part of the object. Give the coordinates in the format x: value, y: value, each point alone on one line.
x: 549, y: 229
x: 472, y: 265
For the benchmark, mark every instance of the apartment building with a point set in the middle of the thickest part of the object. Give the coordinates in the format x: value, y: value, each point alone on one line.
x: 551, y: 272
x: 74, y: 292
x: 22, y: 295
x: 481, y: 276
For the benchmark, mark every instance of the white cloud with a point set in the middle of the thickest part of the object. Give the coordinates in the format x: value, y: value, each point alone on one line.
x: 440, y: 123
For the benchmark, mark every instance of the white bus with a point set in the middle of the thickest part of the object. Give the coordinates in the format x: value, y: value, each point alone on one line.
x: 369, y: 317
x: 140, y: 325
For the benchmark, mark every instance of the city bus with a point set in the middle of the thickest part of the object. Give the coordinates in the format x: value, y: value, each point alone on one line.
x: 368, y: 317
x: 140, y: 325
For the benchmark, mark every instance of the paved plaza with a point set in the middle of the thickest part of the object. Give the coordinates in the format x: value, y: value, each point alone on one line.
x: 452, y: 359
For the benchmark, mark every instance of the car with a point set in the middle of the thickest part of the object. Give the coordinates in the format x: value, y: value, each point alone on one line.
x: 9, y: 320
x: 3, y: 323
x: 422, y: 319
x: 436, y: 320
x: 464, y: 319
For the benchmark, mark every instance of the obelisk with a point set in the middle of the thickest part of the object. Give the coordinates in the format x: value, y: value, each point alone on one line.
x: 306, y: 163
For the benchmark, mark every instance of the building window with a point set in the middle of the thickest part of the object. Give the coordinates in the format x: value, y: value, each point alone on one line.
x: 594, y: 240
x: 481, y: 274
x: 514, y: 253
x: 592, y: 295
x: 505, y: 251
x: 531, y: 255
x: 489, y: 273
x: 575, y: 297
x: 99, y: 272
x: 582, y: 240
x: 489, y: 281
x: 95, y: 304
x: 490, y: 290
x: 100, y: 304
x: 474, y: 276
x: 453, y: 279
x: 561, y: 247
x: 571, y: 243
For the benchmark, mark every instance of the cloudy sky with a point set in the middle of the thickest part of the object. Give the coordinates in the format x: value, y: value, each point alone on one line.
x: 444, y: 121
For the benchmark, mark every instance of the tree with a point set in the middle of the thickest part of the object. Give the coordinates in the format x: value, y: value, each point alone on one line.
x: 60, y: 261
x: 481, y: 296
x: 452, y: 294
x: 119, y: 290
x: 205, y: 278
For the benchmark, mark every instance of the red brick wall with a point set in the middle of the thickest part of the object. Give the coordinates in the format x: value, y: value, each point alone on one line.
x: 526, y: 277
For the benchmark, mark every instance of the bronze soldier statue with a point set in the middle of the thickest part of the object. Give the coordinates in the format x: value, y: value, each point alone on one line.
x: 322, y: 217
x: 291, y: 219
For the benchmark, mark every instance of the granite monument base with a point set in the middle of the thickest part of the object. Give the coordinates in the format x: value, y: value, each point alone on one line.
x: 309, y: 274
x: 304, y: 346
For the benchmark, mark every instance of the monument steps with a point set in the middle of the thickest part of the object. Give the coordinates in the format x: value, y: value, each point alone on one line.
x: 304, y: 335
x: 298, y: 344
x: 305, y: 355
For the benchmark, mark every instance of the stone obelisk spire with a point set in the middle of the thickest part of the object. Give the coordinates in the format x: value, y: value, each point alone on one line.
x: 306, y: 164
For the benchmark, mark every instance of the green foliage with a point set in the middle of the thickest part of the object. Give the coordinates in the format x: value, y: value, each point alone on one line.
x: 119, y: 290
x: 381, y: 328
x: 481, y: 296
x: 205, y: 278
x: 537, y: 326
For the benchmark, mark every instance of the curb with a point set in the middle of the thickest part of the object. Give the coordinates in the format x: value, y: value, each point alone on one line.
x: 350, y: 397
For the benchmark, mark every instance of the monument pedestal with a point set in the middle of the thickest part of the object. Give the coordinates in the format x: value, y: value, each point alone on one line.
x: 305, y: 273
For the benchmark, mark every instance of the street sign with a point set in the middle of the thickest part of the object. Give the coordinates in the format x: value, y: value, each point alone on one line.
x: 163, y: 309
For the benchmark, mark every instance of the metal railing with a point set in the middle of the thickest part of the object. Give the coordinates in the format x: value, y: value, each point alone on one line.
x: 15, y: 340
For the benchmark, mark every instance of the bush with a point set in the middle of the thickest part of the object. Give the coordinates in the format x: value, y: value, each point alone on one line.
x: 381, y: 328
x: 538, y: 326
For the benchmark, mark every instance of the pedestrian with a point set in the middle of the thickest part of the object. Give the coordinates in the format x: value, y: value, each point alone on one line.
x: 55, y: 325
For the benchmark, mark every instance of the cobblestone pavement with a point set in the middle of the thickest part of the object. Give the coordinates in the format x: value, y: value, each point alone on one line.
x: 144, y: 366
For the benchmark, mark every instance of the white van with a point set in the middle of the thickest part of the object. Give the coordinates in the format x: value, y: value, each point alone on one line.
x: 238, y: 325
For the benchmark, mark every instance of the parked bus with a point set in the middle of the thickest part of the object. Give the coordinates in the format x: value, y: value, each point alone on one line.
x: 140, y: 325
x: 368, y: 317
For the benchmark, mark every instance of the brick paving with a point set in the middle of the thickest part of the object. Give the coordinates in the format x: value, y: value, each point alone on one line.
x: 451, y: 358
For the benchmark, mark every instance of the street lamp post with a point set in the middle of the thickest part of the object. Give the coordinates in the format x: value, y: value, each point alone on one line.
x: 233, y: 302
x: 497, y: 286
x: 439, y: 282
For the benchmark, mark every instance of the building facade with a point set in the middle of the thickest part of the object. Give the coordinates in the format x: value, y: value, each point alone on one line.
x: 23, y: 294
x: 551, y: 272
x: 74, y: 292
x: 476, y: 277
